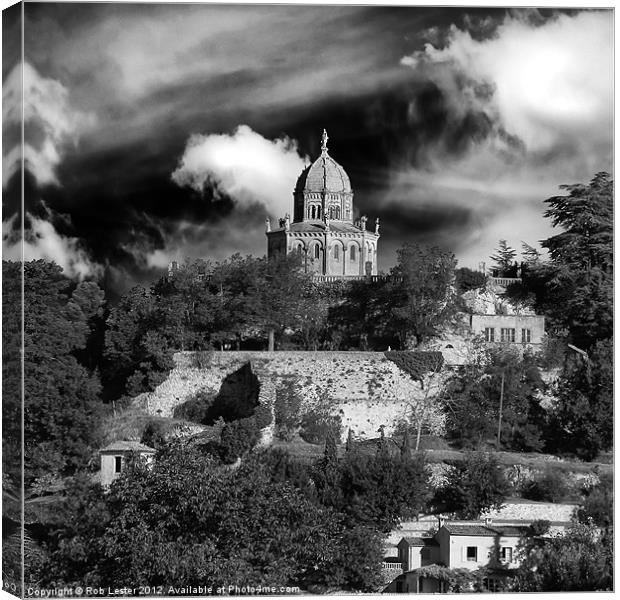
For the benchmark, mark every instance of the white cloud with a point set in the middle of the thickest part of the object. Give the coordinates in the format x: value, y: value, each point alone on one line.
x: 245, y: 166
x: 42, y: 241
x: 552, y: 84
x: 546, y: 90
x: 52, y: 123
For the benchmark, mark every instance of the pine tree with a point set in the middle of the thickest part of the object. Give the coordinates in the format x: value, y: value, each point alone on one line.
x: 350, y: 446
x: 504, y: 258
x: 530, y: 255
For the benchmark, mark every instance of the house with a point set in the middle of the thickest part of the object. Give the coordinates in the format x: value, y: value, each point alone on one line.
x: 114, y: 458
x: 464, y: 546
x: 524, y: 330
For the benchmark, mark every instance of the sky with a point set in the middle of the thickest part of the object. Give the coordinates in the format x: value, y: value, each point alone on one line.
x: 159, y: 132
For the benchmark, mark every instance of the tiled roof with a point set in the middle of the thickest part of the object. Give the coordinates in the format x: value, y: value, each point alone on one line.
x: 509, y: 530
x: 473, y: 529
x: 485, y: 530
x: 420, y: 541
x: 324, y: 174
x: 127, y: 446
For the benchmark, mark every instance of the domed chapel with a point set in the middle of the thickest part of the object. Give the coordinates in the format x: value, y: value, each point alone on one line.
x: 322, y: 230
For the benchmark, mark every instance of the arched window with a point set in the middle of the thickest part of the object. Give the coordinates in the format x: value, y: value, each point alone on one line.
x: 352, y: 253
x: 318, y: 212
x: 314, y: 212
x: 336, y: 252
x: 337, y: 213
x: 316, y: 251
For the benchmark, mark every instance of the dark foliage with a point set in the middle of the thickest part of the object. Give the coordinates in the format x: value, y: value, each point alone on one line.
x: 472, y: 400
x: 473, y: 485
x: 62, y: 405
x: 421, y: 297
x: 318, y: 424
x: 467, y: 279
x: 580, y: 424
x: 416, y: 363
x: 598, y: 504
x: 549, y: 486
x: 188, y: 520
x: 378, y: 490
x: 579, y: 560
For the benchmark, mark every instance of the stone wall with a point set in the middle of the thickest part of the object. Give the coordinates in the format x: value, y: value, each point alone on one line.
x: 366, y: 389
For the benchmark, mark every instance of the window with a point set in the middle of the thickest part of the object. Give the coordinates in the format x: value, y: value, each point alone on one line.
x: 526, y: 336
x: 316, y: 251
x: 118, y: 464
x: 353, y: 253
x: 508, y: 334
x: 314, y: 212
x: 505, y: 554
x: 472, y: 553
x: 336, y: 253
x: 489, y: 334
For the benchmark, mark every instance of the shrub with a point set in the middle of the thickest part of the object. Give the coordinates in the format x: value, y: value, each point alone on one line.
x: 287, y: 408
x: 262, y: 416
x: 237, y: 438
x: 196, y: 408
x: 317, y: 425
x: 416, y: 363
x: 468, y: 279
x: 153, y: 435
x: 549, y: 486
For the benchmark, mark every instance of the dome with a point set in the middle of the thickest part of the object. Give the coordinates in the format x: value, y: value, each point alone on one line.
x: 324, y: 174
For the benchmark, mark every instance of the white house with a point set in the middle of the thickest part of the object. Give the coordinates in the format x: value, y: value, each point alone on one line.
x: 114, y: 458
x: 467, y: 545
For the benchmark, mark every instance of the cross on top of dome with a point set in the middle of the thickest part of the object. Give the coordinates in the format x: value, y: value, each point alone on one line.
x: 324, y: 139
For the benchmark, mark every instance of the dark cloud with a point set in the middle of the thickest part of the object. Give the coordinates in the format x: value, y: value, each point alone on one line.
x: 430, y: 142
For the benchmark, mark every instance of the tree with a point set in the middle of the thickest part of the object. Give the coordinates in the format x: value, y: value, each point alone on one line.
x: 62, y: 407
x: 579, y: 422
x: 423, y: 298
x: 382, y: 490
x: 468, y: 279
x: 598, y: 504
x: 582, y: 259
x: 579, y: 560
x: 504, y: 260
x: 188, y: 519
x: 472, y: 400
x: 280, y: 287
x: 473, y: 485
x: 531, y: 256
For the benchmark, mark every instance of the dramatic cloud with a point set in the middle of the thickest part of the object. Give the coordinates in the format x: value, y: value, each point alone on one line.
x: 42, y: 241
x: 50, y: 122
x: 548, y: 84
x: 523, y: 109
x: 245, y: 166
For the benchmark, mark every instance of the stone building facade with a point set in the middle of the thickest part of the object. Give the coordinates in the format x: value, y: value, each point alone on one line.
x: 323, y: 230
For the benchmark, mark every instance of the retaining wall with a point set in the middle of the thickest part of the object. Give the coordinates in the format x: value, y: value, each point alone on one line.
x: 365, y: 388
